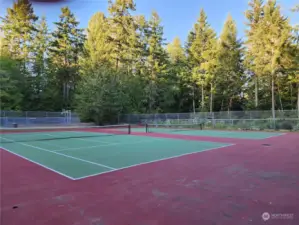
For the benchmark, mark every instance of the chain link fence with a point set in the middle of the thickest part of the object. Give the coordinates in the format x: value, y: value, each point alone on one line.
x: 37, y: 118
x: 259, y: 120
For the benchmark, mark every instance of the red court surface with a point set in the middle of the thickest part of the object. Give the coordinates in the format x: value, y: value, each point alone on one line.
x: 233, y: 185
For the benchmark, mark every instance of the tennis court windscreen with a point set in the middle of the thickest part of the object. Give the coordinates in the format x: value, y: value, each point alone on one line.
x: 169, y: 128
x: 10, y: 135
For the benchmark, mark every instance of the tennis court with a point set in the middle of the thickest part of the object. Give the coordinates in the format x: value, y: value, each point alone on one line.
x: 174, y: 175
x: 81, y: 152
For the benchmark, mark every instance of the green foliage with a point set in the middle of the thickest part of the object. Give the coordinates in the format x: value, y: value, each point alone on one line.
x: 10, y: 83
x: 230, y: 77
x: 18, y: 28
x: 101, y: 96
x: 65, y: 49
x: 175, y: 51
x: 122, y: 37
x: 203, y: 52
x: 97, y: 48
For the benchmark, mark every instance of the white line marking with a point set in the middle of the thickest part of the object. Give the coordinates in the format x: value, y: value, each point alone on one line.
x: 163, y: 159
x: 277, y: 135
x: 48, y: 168
x: 67, y: 156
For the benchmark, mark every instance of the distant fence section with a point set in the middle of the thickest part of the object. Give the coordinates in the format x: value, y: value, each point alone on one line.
x: 260, y: 120
x: 37, y: 118
x: 223, y: 115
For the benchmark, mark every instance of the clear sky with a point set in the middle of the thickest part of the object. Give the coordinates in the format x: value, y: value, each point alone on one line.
x: 178, y: 16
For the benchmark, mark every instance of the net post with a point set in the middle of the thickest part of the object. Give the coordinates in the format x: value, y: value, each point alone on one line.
x: 146, y: 128
x: 129, y: 129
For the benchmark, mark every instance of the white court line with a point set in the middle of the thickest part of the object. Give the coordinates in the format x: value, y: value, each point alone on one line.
x: 163, y: 159
x: 30, y: 160
x: 277, y: 135
x: 67, y: 156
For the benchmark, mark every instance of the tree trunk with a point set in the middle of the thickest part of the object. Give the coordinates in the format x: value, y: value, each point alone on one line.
x: 256, y: 91
x: 211, y: 99
x: 230, y: 103
x: 291, y: 94
x: 202, y: 98
x: 221, y: 109
x: 279, y: 96
x: 273, y: 98
x: 298, y: 99
x: 193, y: 99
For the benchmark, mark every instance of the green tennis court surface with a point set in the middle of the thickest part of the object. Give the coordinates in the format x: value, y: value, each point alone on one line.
x: 81, y: 154
x: 187, y: 130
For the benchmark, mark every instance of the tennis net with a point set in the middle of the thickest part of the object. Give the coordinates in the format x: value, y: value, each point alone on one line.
x: 10, y: 135
x: 169, y: 128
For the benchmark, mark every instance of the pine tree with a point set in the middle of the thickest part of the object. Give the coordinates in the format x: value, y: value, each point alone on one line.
x: 156, y: 59
x: 40, y: 46
x: 294, y: 77
x: 179, y: 70
x: 18, y: 28
x: 122, y: 33
x: 230, y: 71
x: 65, y: 51
x: 175, y: 50
x: 11, y: 81
x: 3, y: 47
x: 97, y: 48
x: 203, y: 50
x: 190, y: 82
x: 39, y: 68
x: 254, y: 15
x: 273, y: 39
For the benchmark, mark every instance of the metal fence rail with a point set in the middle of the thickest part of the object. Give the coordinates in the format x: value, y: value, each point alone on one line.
x: 143, y: 118
x: 37, y: 118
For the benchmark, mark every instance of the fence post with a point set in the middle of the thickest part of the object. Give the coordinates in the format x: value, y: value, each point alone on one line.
x: 26, y: 118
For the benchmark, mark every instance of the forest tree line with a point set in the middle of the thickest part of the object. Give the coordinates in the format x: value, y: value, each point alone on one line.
x: 121, y: 63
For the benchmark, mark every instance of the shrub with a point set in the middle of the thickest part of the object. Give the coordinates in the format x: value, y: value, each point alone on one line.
x: 285, y: 125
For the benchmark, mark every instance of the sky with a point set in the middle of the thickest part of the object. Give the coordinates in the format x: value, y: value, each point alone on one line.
x: 178, y: 16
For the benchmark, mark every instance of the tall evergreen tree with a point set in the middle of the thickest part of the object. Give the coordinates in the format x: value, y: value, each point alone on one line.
x: 203, y: 51
x: 230, y: 72
x: 18, y: 28
x: 180, y: 72
x: 122, y: 33
x: 39, y: 69
x: 273, y: 39
x: 65, y: 51
x: 294, y: 77
x: 11, y: 80
x: 156, y: 60
x: 175, y: 50
x: 254, y: 15
x: 97, y: 48
x: 191, y: 83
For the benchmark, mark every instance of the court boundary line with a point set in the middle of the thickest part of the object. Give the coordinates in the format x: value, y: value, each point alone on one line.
x: 224, y: 131
x: 154, y: 161
x: 280, y: 134
x: 39, y: 164
x: 67, y: 156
